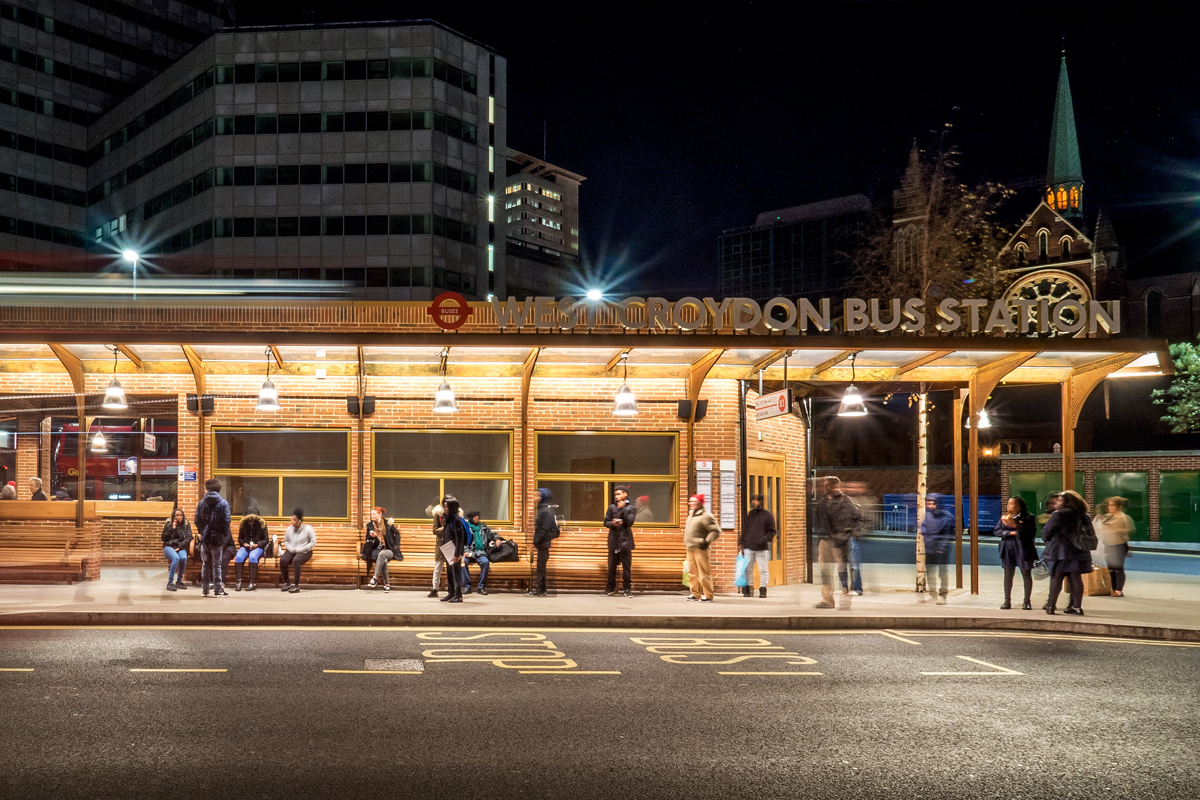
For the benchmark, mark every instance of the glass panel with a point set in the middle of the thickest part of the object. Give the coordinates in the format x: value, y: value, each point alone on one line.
x: 282, y: 450
x: 319, y: 497
x: 589, y: 453
x: 489, y: 498
x: 655, y: 502
x: 1134, y: 487
x: 408, y: 498
x: 250, y: 492
x: 584, y: 501
x: 441, y: 451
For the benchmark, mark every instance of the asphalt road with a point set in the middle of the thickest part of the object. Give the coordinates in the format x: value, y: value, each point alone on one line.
x: 593, y: 714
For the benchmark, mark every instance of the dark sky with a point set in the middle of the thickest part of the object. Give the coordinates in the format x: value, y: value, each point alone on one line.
x: 689, y: 119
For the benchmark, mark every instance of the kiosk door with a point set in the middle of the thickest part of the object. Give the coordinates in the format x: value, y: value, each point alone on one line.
x: 765, y: 472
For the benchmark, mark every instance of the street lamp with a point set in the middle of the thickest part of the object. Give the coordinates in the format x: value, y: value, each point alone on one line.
x: 595, y: 295
x: 132, y: 257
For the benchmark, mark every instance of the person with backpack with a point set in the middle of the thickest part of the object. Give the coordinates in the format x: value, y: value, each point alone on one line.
x: 545, y: 531
x: 439, y: 526
x: 252, y: 543
x: 176, y: 538
x: 619, y: 521
x: 212, y: 525
x: 837, y: 518
x: 1070, y: 540
x: 298, y: 544
x: 454, y: 532
x: 387, y: 545
x: 482, y: 539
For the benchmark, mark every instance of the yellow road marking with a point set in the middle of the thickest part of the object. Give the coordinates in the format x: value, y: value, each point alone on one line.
x: 372, y: 671
x: 567, y: 672
x: 893, y: 635
x: 178, y: 670
x: 770, y: 673
x: 16, y: 669
x: 1000, y: 670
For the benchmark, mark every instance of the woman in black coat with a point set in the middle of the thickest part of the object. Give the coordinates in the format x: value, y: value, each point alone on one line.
x: 382, y: 531
x: 176, y: 537
x: 1017, y: 548
x: 1067, y: 535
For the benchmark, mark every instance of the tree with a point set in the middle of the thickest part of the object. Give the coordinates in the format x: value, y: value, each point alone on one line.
x: 1182, y: 397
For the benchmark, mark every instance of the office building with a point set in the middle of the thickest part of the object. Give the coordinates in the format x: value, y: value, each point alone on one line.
x: 541, y: 215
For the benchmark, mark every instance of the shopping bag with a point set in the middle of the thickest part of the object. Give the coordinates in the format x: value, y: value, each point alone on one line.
x: 1097, y: 582
x: 741, y: 571
x: 686, y: 581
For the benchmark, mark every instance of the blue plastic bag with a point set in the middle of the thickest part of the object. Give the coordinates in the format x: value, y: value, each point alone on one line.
x: 741, y: 571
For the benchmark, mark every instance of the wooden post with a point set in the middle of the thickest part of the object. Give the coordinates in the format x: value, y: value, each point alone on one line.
x: 1068, y: 438
x: 973, y: 492
x: 81, y: 491
x: 922, y: 480
x: 957, y: 423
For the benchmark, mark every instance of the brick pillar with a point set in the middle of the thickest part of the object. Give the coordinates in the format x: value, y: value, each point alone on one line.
x: 44, y: 446
x: 189, y: 455
x: 27, y: 454
x: 1152, y: 491
x: 1089, y: 488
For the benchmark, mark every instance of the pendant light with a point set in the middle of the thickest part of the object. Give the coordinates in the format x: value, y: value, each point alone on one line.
x: 852, y: 402
x: 98, y: 443
x: 625, y: 404
x: 443, y: 401
x: 268, y: 395
x: 984, y: 420
x: 114, y: 395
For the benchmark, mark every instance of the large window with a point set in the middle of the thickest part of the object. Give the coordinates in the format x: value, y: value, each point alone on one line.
x: 278, y: 469
x: 413, y: 470
x: 582, y: 468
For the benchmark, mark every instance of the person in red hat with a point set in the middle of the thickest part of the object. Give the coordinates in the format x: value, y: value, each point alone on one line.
x: 700, y: 531
x: 642, y: 509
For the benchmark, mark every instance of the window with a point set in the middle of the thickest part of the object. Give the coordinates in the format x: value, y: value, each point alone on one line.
x: 1074, y: 197
x: 582, y: 468
x: 1043, y: 245
x: 1061, y: 196
x: 474, y: 466
x: 282, y: 469
x: 1065, y: 247
x: 1022, y: 251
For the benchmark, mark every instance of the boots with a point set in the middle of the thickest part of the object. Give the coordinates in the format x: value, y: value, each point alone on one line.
x: 238, y: 568
x: 745, y: 591
x: 762, y: 591
x: 253, y: 577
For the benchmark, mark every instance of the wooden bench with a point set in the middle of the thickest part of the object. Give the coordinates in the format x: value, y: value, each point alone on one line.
x: 43, y: 557
x: 579, y: 559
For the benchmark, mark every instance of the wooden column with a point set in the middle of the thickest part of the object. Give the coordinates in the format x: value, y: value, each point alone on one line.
x: 957, y: 423
x: 74, y: 368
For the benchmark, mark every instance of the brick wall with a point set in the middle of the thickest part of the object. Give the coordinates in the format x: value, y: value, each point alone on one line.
x: 785, y: 435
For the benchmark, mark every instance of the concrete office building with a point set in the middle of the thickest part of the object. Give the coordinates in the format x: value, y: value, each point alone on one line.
x: 541, y: 210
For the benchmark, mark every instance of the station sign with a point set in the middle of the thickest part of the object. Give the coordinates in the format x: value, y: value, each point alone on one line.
x: 774, y: 404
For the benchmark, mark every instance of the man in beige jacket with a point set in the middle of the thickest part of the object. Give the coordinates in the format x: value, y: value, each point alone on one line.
x: 699, y: 532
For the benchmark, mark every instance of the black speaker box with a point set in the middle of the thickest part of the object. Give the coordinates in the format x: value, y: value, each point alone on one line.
x: 194, y: 403
x: 368, y: 405
x: 685, y: 409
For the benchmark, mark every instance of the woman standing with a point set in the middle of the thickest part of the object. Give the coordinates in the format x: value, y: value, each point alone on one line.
x: 176, y: 536
x: 298, y: 541
x: 1017, y: 548
x: 1113, y: 529
x: 1069, y: 539
x: 384, y: 532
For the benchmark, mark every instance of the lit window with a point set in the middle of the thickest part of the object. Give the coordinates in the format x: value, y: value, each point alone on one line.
x: 1050, y: 197
x: 491, y: 208
x: 1062, y: 198
x: 491, y: 111
x: 491, y: 258
x: 1074, y: 197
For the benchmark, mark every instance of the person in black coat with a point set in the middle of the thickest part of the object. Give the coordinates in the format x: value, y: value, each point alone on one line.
x: 619, y: 521
x: 382, y: 531
x: 545, y: 531
x: 176, y: 536
x: 456, y: 533
x: 1018, y: 551
x: 252, y: 543
x: 1069, y: 539
x: 754, y: 543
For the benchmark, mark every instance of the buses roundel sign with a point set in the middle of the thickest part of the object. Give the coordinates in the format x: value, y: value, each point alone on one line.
x: 450, y: 311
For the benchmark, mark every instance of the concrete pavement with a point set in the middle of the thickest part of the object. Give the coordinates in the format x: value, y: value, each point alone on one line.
x: 1158, y: 606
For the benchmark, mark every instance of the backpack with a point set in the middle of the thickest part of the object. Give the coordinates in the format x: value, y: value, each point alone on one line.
x: 208, y: 537
x: 503, y: 550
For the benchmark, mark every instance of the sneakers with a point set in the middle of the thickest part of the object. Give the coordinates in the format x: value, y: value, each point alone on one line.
x: 220, y: 591
x: 456, y: 599
x: 706, y: 599
x: 745, y: 591
x: 447, y: 598
x: 482, y: 590
x: 691, y: 598
x: 762, y: 591
x: 171, y: 587
x: 371, y: 583
x: 824, y: 604
x: 204, y: 589
x: 179, y: 584
x: 628, y: 593
x: 432, y: 594
x: 941, y: 601
x: 287, y: 587
x: 466, y: 590
x: 387, y: 587
x: 608, y: 593
x: 294, y: 590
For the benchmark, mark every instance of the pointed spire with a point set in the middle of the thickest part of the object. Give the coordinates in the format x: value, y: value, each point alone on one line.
x: 1064, y: 172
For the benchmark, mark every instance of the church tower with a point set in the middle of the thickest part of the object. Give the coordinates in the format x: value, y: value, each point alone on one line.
x: 1064, y: 173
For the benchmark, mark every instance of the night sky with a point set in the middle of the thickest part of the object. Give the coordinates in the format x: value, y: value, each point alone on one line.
x: 690, y: 119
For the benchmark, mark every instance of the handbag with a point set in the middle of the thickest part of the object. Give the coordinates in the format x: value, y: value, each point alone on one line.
x: 504, y: 550
x: 269, y: 550
x: 1040, y: 570
x: 741, y: 571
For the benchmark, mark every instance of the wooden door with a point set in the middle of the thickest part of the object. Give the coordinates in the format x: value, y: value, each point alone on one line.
x: 765, y: 473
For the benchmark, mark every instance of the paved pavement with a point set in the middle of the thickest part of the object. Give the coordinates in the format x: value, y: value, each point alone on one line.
x: 1162, y: 605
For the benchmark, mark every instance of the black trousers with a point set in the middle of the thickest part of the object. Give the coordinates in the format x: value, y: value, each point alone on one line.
x: 1074, y: 583
x: 625, y: 559
x: 1026, y: 577
x: 454, y: 579
x: 539, y: 582
x: 296, y: 561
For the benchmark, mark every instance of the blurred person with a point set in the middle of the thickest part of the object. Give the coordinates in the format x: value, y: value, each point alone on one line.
x: 439, y: 526
x: 1070, y: 539
x: 836, y: 521
x: 700, y: 531
x: 868, y: 503
x: 545, y: 531
x: 387, y: 546
x: 454, y: 532
x: 298, y: 543
x: 938, y: 531
x: 619, y: 520
x: 62, y: 494
x: 754, y: 542
x: 212, y: 524
x: 482, y: 537
x: 251, y: 544
x: 9, y: 492
x: 1114, y: 528
x: 35, y: 489
x: 176, y: 536
x: 642, y: 507
x: 1018, y: 549
x: 246, y: 501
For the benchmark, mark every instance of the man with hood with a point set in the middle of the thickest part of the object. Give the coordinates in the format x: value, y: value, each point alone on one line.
x: 454, y: 532
x: 836, y: 520
x: 212, y: 525
x: 938, y: 531
x: 619, y: 521
x: 545, y: 531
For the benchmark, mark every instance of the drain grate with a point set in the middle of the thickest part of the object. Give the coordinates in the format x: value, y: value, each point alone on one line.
x: 394, y: 664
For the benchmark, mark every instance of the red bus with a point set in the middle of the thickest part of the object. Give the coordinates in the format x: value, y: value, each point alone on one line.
x: 139, y: 462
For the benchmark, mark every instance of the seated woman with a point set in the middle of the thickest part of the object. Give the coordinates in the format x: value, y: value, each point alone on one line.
x: 298, y: 544
x: 387, y: 545
x: 176, y: 536
x: 252, y: 542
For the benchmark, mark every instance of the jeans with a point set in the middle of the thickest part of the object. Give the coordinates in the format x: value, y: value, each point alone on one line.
x: 178, y: 563
x: 296, y: 561
x: 211, y: 559
x: 829, y: 554
x: 699, y: 573
x: 539, y: 583
x: 852, y: 565
x: 484, y: 565
x: 625, y: 559
x: 382, y: 557
x: 243, y: 553
x: 762, y: 558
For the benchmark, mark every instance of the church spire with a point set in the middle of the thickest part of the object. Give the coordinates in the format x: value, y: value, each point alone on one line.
x: 1064, y: 173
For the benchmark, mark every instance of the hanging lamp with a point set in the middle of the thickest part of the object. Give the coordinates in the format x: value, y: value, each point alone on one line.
x: 984, y: 420
x: 852, y: 402
x: 114, y: 395
x: 99, y: 445
x: 268, y: 395
x: 625, y: 404
x: 443, y: 400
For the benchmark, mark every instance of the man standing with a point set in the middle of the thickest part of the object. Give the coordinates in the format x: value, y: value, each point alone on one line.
x: 455, y: 533
x: 758, y: 530
x: 212, y: 524
x: 700, y: 531
x: 439, y: 559
x: 619, y: 521
x: 835, y: 522
x: 545, y: 531
x: 938, y: 530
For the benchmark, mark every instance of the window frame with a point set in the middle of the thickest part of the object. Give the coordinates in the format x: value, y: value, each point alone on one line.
x: 609, y: 478
x: 441, y: 477
x: 218, y: 472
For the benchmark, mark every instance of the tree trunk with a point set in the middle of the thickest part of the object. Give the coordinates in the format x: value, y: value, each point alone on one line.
x: 922, y: 479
